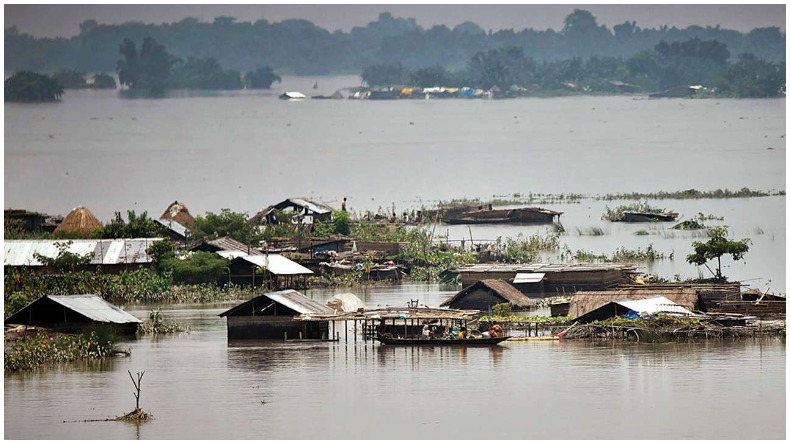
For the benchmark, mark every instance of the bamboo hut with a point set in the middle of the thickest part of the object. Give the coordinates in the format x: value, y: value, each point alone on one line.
x: 178, y: 212
x: 80, y: 221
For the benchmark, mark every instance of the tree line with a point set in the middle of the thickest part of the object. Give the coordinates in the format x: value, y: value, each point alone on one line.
x: 665, y: 66
x: 300, y: 47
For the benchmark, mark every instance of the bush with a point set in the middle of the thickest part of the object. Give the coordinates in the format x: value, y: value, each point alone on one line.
x: 200, y: 267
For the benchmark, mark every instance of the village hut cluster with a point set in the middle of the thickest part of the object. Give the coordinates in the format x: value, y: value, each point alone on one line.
x: 580, y: 293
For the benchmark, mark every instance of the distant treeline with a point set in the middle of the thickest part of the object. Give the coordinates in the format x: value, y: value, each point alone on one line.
x: 302, y: 48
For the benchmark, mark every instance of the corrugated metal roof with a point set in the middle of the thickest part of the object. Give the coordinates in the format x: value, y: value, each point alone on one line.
x: 173, y: 226
x: 528, y: 278
x: 229, y: 244
x: 314, y: 207
x: 105, y: 251
x: 289, y: 298
x: 298, y: 302
x: 95, y: 308
x: 276, y: 264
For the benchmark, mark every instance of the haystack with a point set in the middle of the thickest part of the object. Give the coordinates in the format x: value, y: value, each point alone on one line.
x: 80, y: 221
x: 178, y: 212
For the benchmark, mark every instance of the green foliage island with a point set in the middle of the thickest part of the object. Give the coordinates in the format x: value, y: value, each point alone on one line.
x: 29, y: 86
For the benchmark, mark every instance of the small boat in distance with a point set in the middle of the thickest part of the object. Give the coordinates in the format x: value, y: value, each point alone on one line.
x: 292, y: 95
x: 442, y: 341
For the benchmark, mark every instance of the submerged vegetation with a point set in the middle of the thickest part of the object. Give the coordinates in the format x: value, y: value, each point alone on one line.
x: 617, y: 213
x: 43, y: 348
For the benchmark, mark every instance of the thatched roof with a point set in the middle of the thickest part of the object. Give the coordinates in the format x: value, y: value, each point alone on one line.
x: 584, y: 302
x: 79, y: 221
x: 178, y: 212
x: 499, y: 287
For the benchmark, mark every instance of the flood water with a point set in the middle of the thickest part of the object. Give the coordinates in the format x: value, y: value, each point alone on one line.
x: 246, y: 150
x: 198, y: 386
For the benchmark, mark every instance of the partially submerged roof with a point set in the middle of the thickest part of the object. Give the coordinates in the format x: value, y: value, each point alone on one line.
x: 289, y: 298
x: 275, y: 264
x: 584, y: 302
x: 104, y: 251
x: 642, y: 307
x: 90, y: 306
x: 543, y: 268
x: 413, y: 313
x: 505, y: 291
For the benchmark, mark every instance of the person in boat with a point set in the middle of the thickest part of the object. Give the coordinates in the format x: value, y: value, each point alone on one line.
x: 496, y: 331
x: 381, y: 330
x: 462, y: 334
x: 426, y: 332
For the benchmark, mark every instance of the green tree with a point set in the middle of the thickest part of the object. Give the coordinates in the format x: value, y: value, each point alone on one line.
x: 200, y: 267
x: 205, y: 74
x: 136, y: 227
x: 65, y: 260
x: 147, y: 70
x: 342, y: 222
x: 28, y: 86
x: 717, y: 246
x: 160, y: 253
x: 70, y: 79
x: 103, y: 81
x: 382, y: 74
x: 261, y: 78
x: 752, y: 77
x: 431, y: 76
x: 226, y: 223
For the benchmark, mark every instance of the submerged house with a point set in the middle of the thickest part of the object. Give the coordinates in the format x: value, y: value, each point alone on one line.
x: 484, y: 294
x: 271, y: 316
x: 540, y: 280
x: 584, y: 302
x: 75, y: 313
x: 309, y: 210
x: 634, y: 308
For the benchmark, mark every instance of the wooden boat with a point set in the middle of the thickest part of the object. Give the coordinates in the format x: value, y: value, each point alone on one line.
x: 458, y: 342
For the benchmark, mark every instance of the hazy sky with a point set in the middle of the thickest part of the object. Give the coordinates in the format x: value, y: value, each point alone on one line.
x: 63, y: 20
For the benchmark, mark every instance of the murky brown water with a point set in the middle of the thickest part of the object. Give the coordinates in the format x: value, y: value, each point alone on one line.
x: 200, y: 387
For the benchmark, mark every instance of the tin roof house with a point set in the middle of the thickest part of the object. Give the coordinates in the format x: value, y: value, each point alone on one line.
x: 271, y: 316
x: 111, y: 255
x: 75, y: 313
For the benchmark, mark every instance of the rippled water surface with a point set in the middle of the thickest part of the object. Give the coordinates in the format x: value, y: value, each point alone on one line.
x: 199, y: 386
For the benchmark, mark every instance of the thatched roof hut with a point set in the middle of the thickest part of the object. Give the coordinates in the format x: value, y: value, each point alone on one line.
x: 80, y: 221
x: 178, y: 212
x: 486, y: 293
x: 584, y: 302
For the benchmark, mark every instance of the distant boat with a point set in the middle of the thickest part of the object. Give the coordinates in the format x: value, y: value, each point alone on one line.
x: 292, y: 95
x: 315, y: 86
